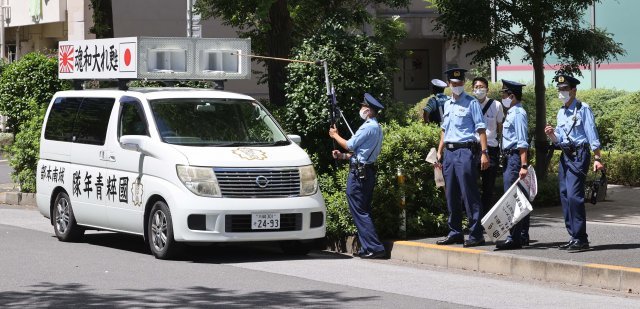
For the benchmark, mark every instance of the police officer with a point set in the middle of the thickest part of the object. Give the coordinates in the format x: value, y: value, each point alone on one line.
x: 435, y: 105
x: 493, y: 117
x: 576, y: 135
x: 363, y: 150
x: 462, y: 119
x: 514, y: 149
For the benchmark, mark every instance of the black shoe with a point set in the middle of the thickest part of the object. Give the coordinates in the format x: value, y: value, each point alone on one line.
x: 474, y: 243
x: 578, y: 246
x: 509, y: 244
x: 449, y: 240
x: 525, y: 241
x: 358, y: 254
x: 374, y: 255
x: 567, y: 245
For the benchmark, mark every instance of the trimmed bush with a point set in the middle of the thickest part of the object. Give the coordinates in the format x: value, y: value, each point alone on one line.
x: 33, y: 77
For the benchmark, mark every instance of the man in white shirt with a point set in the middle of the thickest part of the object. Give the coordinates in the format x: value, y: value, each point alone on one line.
x: 493, y: 117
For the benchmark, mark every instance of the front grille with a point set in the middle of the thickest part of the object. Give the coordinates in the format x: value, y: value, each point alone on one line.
x: 242, y: 223
x: 256, y: 182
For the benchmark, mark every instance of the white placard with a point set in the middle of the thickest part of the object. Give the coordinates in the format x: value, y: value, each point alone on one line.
x: 98, y: 59
x: 530, y: 183
x: 509, y: 210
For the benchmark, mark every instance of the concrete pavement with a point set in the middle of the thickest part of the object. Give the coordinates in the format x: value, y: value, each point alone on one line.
x: 613, y: 262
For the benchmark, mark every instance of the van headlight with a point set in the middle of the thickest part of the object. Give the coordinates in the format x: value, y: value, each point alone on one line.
x: 199, y: 180
x: 308, y: 180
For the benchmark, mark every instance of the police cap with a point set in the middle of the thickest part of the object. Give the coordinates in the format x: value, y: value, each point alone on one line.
x: 512, y: 87
x: 370, y: 101
x: 566, y: 80
x: 455, y: 74
x: 438, y: 83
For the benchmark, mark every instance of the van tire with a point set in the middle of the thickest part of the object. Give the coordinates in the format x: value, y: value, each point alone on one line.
x: 160, y: 231
x: 64, y: 222
x: 296, y: 247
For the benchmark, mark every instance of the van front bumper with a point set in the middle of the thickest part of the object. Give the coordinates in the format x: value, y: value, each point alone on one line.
x: 201, y: 219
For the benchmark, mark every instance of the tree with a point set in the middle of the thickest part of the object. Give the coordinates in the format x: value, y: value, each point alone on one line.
x: 541, y: 28
x: 357, y: 64
x: 277, y: 26
x: 102, y: 19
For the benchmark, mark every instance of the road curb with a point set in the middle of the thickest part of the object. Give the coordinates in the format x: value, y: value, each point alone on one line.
x: 18, y: 198
x: 609, y: 277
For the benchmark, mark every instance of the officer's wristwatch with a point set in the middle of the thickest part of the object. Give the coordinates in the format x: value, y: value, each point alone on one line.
x: 485, y: 151
x: 597, y: 159
x: 525, y: 166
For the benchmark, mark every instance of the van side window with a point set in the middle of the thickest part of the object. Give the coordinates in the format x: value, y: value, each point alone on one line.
x: 132, y: 120
x: 92, y: 120
x: 59, y: 125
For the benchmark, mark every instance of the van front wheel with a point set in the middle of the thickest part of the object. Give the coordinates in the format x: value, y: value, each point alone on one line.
x: 64, y: 222
x: 160, y: 232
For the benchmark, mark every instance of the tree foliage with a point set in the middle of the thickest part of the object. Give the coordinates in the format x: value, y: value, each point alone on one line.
x: 540, y: 28
x: 357, y: 64
x: 102, y: 19
x: 277, y: 26
x: 33, y: 77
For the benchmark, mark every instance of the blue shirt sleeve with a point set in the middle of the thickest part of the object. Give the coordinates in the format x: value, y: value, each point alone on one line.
x: 590, y: 128
x: 558, y: 131
x: 431, y: 105
x: 521, y: 130
x: 446, y: 116
x: 358, y: 138
x: 476, y: 114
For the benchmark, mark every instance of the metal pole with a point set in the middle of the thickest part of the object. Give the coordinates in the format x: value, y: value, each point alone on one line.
x: 593, y: 60
x: 189, y: 16
x: 2, y: 46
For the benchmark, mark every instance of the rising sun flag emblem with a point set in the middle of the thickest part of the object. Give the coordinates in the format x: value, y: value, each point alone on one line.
x: 66, y: 58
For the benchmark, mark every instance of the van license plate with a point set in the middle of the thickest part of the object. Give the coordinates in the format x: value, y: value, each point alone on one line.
x: 269, y: 221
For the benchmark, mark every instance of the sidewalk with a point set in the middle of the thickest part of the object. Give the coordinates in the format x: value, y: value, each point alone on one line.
x: 613, y: 262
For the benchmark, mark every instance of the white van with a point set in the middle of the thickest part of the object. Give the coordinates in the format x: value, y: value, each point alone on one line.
x: 176, y: 166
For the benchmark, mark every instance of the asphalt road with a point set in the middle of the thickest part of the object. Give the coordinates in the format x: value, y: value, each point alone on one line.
x: 115, y: 270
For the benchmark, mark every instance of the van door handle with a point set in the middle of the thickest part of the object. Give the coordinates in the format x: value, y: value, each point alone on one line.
x: 106, y: 155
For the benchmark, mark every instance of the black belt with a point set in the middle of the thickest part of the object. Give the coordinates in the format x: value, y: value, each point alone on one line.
x: 366, y: 165
x: 507, y: 152
x: 572, y: 147
x: 452, y: 146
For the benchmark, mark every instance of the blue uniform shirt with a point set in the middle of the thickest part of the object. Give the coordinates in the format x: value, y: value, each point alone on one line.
x: 366, y: 143
x: 514, y: 128
x: 584, y: 131
x: 462, y: 119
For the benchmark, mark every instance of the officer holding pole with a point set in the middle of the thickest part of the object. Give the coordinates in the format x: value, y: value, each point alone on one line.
x: 363, y: 149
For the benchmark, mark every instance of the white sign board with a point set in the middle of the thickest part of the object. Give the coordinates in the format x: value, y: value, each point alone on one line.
x: 509, y: 210
x: 98, y: 59
x: 530, y: 183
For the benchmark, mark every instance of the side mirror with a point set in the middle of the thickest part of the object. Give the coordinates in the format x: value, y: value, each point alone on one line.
x: 295, y: 138
x: 139, y: 143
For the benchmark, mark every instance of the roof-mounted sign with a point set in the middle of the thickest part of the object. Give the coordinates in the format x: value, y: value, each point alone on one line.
x: 155, y: 58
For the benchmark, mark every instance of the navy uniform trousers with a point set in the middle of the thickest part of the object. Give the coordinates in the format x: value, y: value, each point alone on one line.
x: 571, y: 176
x: 460, y: 176
x: 359, y: 197
x: 520, y: 231
x: 488, y: 177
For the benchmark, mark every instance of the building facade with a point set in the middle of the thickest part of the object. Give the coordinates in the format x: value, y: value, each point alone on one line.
x: 31, y: 25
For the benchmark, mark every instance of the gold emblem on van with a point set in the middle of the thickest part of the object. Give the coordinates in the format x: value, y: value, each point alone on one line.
x: 136, y: 192
x: 250, y: 154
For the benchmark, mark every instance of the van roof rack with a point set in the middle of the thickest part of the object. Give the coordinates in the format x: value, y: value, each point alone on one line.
x: 154, y: 58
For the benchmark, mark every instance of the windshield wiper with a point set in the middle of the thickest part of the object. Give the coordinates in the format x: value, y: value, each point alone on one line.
x: 276, y: 143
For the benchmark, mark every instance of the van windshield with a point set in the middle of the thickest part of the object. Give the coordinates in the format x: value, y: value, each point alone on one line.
x: 215, y: 122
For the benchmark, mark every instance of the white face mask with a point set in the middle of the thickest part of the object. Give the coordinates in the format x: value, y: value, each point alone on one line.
x: 364, y: 113
x: 564, y: 96
x: 457, y: 90
x: 480, y: 93
x: 506, y: 102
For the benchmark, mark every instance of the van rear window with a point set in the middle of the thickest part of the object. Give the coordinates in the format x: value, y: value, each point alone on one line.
x: 79, y: 120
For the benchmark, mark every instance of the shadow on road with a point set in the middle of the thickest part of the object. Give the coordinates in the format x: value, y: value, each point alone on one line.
x: 220, y: 253
x: 73, y: 295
